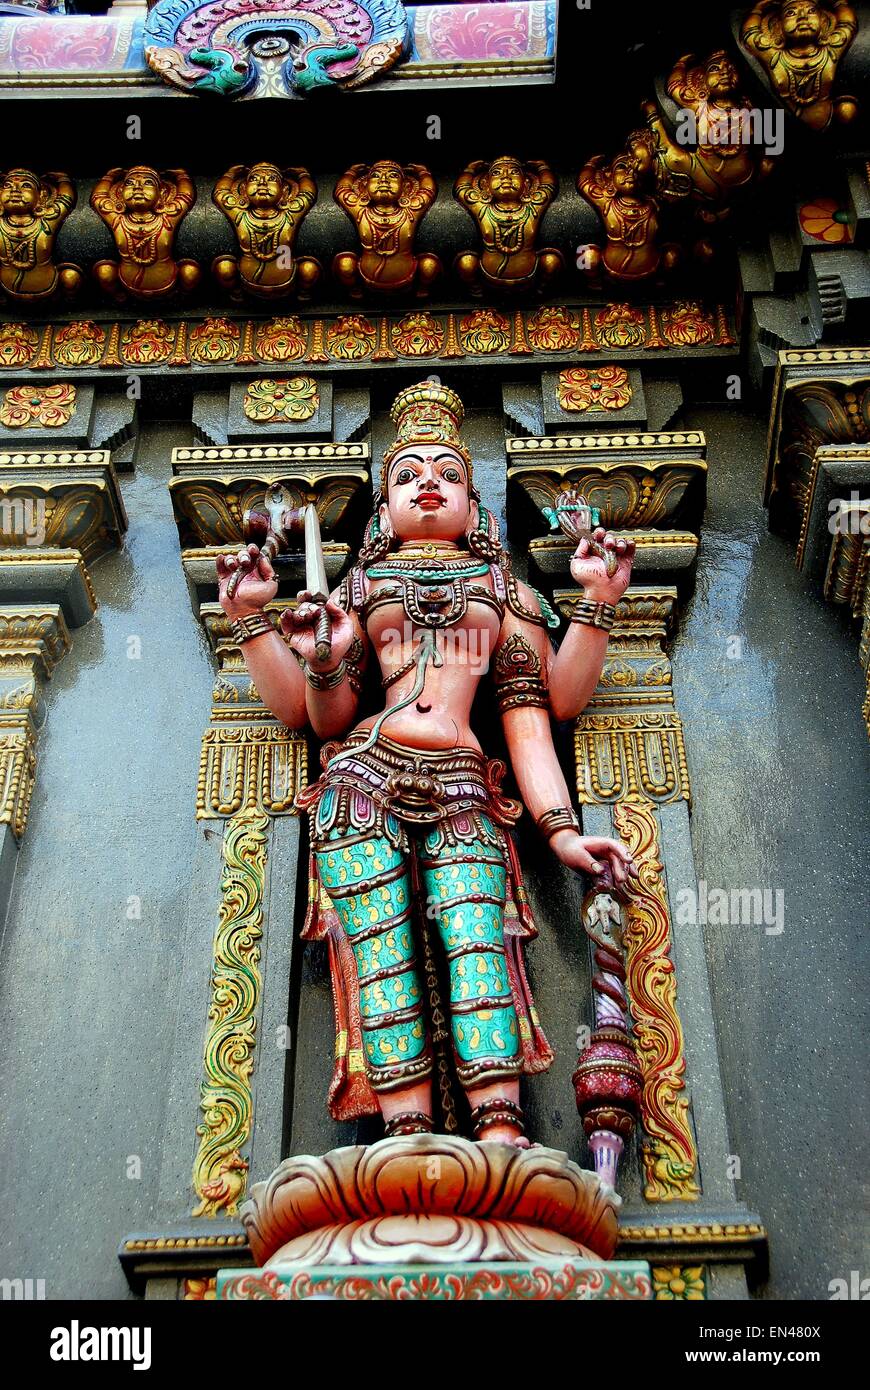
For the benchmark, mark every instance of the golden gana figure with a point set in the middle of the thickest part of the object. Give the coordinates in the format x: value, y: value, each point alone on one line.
x: 143, y: 211
x: 507, y: 201
x: 266, y: 206
x: 386, y: 204
x: 32, y: 212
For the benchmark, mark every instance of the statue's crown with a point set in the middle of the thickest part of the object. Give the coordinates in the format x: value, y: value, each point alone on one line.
x: 427, y: 414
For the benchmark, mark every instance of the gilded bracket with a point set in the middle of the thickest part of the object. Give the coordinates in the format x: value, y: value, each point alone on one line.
x: 33, y: 639
x: 820, y: 396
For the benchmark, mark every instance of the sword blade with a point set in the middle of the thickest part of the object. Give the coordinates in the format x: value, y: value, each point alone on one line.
x: 315, y: 570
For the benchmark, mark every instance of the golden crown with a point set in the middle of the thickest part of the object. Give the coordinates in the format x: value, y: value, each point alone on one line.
x: 426, y: 414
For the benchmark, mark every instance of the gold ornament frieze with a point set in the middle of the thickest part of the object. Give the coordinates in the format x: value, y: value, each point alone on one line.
x: 676, y: 440
x: 644, y: 494
x: 17, y: 776
x: 33, y: 639
x: 209, y: 507
x: 19, y: 344
x: 692, y: 1233
x: 833, y: 548
x: 79, y: 344
x: 258, y: 765
x: 259, y: 454
x: 679, y: 1283
x: 345, y: 341
x: 632, y: 753
x: 821, y: 396
x: 214, y: 340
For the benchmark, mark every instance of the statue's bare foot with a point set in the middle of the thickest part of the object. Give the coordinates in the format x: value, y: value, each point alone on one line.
x: 504, y: 1134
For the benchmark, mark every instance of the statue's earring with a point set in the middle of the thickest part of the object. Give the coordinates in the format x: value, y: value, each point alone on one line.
x: 384, y: 524
x: 473, y: 523
x: 482, y: 534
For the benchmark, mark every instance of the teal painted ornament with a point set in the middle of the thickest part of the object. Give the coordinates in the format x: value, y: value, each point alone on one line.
x: 313, y: 71
x: 224, y: 76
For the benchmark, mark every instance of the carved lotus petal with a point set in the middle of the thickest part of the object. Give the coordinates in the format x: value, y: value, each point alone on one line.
x: 539, y: 1190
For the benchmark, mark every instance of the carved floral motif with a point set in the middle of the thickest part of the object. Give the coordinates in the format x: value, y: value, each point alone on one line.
x: 621, y: 325
x: 418, y: 335
x: 147, y: 342
x: 351, y: 337
x: 602, y: 388
x: 688, y: 324
x: 18, y: 344
x: 79, y: 344
x: 29, y: 407
x: 214, y: 340
x: 281, y: 399
x: 485, y: 331
x: 553, y: 328
x: 281, y: 339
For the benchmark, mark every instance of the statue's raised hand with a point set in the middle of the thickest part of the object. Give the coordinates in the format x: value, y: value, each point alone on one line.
x: 301, y: 624
x: 255, y: 587
x: 590, y: 569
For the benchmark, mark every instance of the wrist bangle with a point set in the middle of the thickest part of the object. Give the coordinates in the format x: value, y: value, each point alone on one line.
x: 602, y: 615
x: 249, y: 626
x: 326, y: 680
x: 559, y: 818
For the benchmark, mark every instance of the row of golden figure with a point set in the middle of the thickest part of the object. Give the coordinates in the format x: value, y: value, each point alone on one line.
x: 507, y: 199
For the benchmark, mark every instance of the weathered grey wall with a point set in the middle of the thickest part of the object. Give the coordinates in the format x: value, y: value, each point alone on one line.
x: 779, y: 760
x: 778, y: 757
x: 88, y: 997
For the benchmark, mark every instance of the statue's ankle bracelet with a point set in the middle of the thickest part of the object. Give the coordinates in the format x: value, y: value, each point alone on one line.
x: 408, y: 1122
x: 496, y: 1112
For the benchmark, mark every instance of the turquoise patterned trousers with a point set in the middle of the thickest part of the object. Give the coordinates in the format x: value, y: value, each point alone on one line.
x: 369, y: 882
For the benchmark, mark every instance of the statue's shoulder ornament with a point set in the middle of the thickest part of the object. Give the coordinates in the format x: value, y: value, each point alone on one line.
x: 542, y: 616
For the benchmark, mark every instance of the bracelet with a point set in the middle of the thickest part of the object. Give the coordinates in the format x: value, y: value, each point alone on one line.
x: 602, y: 615
x: 498, y: 1111
x: 559, y: 818
x: 326, y: 680
x: 249, y: 626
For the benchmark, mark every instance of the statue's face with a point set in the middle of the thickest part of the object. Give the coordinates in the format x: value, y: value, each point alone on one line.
x: 507, y: 180
x: 721, y: 77
x: 20, y: 193
x: 427, y: 493
x: 263, y: 186
x: 801, y: 21
x: 624, y: 175
x: 384, y: 183
x: 641, y: 155
x: 140, y: 190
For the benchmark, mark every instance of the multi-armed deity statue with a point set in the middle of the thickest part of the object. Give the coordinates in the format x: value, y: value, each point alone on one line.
x: 410, y: 829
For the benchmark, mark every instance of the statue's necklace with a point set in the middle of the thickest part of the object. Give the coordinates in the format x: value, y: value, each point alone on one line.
x: 434, y: 592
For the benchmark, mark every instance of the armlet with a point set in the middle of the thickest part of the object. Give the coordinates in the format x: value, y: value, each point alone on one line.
x: 519, y: 677
x: 546, y: 617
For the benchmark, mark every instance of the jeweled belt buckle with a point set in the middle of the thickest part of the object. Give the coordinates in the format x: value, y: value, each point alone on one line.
x: 415, y: 796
